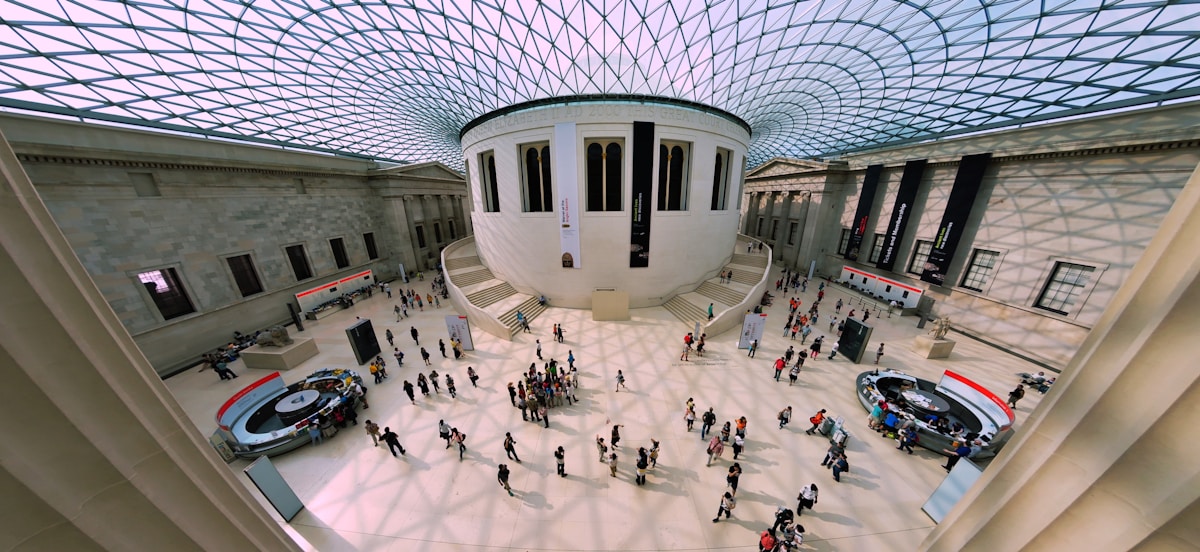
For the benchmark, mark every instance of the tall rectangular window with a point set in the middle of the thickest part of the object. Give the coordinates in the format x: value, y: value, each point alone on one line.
x: 792, y: 228
x: 167, y: 292
x: 420, y: 236
x: 537, y: 193
x: 673, y: 165
x: 604, y: 173
x: 338, y: 246
x: 721, y: 172
x: 774, y: 229
x: 453, y: 230
x: 437, y: 233
x: 487, y: 181
x: 369, y: 242
x: 844, y: 242
x: 1065, y: 285
x: 299, y: 261
x: 758, y: 227
x: 916, y: 265
x: 983, y: 262
x: 242, y: 268
x: 876, y: 248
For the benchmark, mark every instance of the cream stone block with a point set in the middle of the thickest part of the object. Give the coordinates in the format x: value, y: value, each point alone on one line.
x: 280, y: 358
x: 929, y: 347
x: 610, y: 305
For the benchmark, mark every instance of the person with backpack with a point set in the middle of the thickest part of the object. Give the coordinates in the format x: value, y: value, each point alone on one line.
x: 783, y: 518
x: 766, y: 542
x: 785, y: 416
x: 708, y: 420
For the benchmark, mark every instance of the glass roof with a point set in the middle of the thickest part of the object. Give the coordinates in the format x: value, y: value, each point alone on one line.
x: 397, y: 80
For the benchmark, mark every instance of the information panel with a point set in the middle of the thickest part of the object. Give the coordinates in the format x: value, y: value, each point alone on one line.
x: 752, y: 329
x: 567, y: 176
x: 641, y: 185
x: 459, y: 330
x: 910, y: 181
x: 958, y: 208
x: 862, y: 215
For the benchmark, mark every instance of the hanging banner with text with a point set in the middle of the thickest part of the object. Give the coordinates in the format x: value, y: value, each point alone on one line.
x: 752, y: 329
x: 863, y: 214
x: 641, y: 183
x: 958, y: 208
x: 567, y: 174
x: 901, y: 210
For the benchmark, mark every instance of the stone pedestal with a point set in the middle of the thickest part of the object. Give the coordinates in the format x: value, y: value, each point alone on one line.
x: 929, y: 347
x: 280, y: 358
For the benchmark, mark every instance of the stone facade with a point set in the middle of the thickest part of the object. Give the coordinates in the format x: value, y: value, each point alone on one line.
x: 1090, y: 192
x: 127, y: 205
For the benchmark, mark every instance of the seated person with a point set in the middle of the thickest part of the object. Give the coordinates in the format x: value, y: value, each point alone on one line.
x: 942, y: 425
x: 542, y: 300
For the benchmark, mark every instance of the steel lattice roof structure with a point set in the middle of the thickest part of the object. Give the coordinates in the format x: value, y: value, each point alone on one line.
x: 397, y: 80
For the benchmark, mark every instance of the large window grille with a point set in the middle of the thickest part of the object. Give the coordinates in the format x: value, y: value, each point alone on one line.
x: 844, y: 242
x: 876, y: 248
x: 979, y: 272
x: 369, y: 243
x: 167, y: 292
x: 792, y: 228
x: 721, y: 172
x: 1065, y: 285
x: 420, y: 235
x: 604, y: 174
x: 338, y: 246
x: 244, y: 275
x: 537, y: 193
x: 487, y: 181
x: 673, y: 176
x: 916, y: 265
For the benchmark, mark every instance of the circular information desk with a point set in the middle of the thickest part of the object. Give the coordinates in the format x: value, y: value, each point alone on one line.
x: 297, y: 406
x: 925, y: 402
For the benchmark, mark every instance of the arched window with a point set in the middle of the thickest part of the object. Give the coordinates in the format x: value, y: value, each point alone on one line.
x: 672, y: 176
x: 720, y: 191
x: 537, y: 193
x: 487, y: 177
x: 604, y: 175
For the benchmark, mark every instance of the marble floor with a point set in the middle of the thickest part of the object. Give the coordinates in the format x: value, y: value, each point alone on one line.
x: 358, y: 497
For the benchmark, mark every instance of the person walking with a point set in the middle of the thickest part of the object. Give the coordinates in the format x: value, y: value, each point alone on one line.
x: 616, y: 435
x: 715, y: 449
x: 391, y: 339
x: 807, y: 498
x: 780, y: 363
x: 450, y: 388
x: 425, y: 357
x: 835, y: 450
x: 785, y: 416
x: 461, y: 440
x: 654, y: 453
x: 539, y: 349
x: 708, y: 420
x: 392, y: 440
x: 570, y: 359
x: 471, y: 375
x: 833, y: 350
x: 795, y: 372
x: 643, y: 463
x: 620, y: 382
x: 908, y: 438
x: 372, y: 429
x: 414, y: 334
x: 408, y: 390
x: 879, y: 353
x: 739, y: 444
x: 433, y: 378
x: 314, y: 434
x: 839, y: 466
x: 710, y: 311
x: 442, y: 347
x: 612, y: 465
x: 753, y: 348
x: 816, y: 420
x: 510, y: 447
x: 1016, y: 395
x: 727, y: 506
x: 815, y: 348
x: 783, y: 518
x: 502, y: 476
x: 689, y: 416
x: 396, y: 310
x: 601, y: 447
x: 560, y: 458
x: 960, y: 452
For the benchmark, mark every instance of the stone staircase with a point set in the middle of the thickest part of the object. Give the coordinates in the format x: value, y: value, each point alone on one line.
x: 462, y: 262
x: 487, y: 296
x: 686, y: 311
x: 464, y: 279
x: 529, y: 307
x: 720, y: 294
x: 743, y: 276
x: 759, y: 261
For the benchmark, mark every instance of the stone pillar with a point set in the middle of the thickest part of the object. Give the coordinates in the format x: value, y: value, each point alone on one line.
x: 751, y: 212
x: 464, y: 215
x: 768, y: 212
x: 799, y: 212
x: 781, y: 234
x: 97, y: 453
x: 412, y: 210
x: 1108, y: 459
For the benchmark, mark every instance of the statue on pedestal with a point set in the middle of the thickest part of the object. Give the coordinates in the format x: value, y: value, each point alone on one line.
x: 940, y: 327
x: 275, y: 336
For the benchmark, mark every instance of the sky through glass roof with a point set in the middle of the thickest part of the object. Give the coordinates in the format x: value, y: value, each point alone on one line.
x: 398, y: 80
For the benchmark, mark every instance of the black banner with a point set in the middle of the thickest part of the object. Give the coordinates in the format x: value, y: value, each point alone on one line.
x: 901, y: 210
x: 863, y: 213
x: 642, y: 183
x: 958, y: 208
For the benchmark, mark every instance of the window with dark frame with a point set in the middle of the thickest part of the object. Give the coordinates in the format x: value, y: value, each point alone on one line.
x: 244, y: 275
x: 167, y: 292
x: 1065, y: 285
x: 338, y: 246
x: 369, y: 243
x: 672, y: 176
x: 721, y: 172
x: 774, y: 229
x: 487, y: 181
x: 604, y: 173
x: 537, y: 193
x: 920, y: 256
x: 300, y: 267
x: 792, y: 228
x: 844, y: 242
x: 983, y: 262
x: 453, y: 230
x: 758, y: 227
x: 437, y: 233
x: 876, y: 248
x: 420, y: 236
